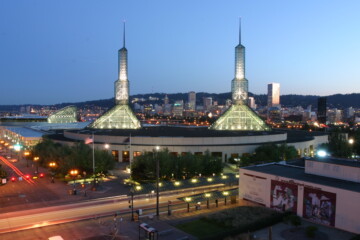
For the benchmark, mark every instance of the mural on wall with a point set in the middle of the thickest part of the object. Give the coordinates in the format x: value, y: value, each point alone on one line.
x: 319, y: 206
x: 283, y: 196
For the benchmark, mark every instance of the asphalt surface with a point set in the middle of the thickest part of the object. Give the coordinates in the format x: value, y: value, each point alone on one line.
x: 26, y: 201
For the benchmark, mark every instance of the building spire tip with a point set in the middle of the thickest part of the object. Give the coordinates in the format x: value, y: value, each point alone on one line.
x: 239, y: 30
x: 124, y: 34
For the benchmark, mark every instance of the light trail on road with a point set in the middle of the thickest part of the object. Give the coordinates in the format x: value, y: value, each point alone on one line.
x: 16, y: 170
x: 28, y: 219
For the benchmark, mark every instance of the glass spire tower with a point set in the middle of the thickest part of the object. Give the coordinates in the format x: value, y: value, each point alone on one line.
x: 239, y: 85
x: 121, y: 115
x: 122, y: 83
x: 239, y: 116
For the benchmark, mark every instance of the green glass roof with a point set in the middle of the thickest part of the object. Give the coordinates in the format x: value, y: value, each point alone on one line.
x: 118, y: 117
x: 65, y: 115
x: 240, y: 117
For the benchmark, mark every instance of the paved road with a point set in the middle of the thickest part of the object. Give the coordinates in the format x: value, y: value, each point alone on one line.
x: 14, y: 221
x: 100, y: 228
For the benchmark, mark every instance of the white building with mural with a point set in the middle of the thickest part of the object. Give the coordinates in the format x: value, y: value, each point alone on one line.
x: 324, y: 191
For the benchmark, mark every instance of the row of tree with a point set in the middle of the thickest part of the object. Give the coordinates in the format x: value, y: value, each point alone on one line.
x: 185, y: 166
x: 79, y: 156
x: 339, y: 144
x: 268, y: 153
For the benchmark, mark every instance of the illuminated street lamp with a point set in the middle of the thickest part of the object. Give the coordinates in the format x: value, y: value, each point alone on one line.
x: 74, y: 173
x: 36, y: 159
x: 225, y: 193
x: 207, y: 195
x: 157, y: 148
x: 106, y: 146
x: 188, y: 200
x: 52, y: 165
x: 351, y: 142
x: 132, y: 204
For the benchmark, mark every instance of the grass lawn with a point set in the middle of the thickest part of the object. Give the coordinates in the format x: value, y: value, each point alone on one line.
x: 201, y: 229
x: 231, y: 221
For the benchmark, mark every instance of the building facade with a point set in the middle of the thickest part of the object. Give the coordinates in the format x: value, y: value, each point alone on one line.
x: 324, y: 191
x: 273, y: 95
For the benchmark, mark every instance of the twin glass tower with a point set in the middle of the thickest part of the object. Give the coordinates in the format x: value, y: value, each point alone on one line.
x: 239, y: 117
x: 121, y: 115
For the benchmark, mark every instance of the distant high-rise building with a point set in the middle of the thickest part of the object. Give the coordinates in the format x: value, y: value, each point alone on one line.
x: 321, y: 113
x: 251, y: 103
x: 208, y: 102
x: 167, y: 109
x: 192, y: 101
x: 349, y: 113
x: 274, y: 114
x: 178, y: 108
x: 334, y: 115
x: 166, y: 99
x: 273, y: 95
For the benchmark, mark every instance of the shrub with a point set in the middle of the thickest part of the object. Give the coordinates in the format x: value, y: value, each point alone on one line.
x: 310, y: 231
x: 356, y: 237
x: 295, y: 220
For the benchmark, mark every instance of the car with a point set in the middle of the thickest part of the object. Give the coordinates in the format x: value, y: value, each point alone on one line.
x: 13, y: 160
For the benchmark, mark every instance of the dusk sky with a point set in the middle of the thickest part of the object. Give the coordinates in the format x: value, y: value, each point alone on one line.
x: 66, y: 51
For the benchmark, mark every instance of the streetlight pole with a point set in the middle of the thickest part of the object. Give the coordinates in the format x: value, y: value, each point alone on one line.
x: 132, y: 204
x: 36, y: 159
x: 157, y: 181
x: 93, y: 157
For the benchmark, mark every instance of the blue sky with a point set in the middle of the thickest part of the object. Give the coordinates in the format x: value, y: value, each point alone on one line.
x: 66, y: 51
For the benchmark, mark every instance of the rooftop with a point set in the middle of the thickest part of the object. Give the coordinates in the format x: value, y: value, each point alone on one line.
x: 298, y: 173
x: 174, y: 131
x: 337, y: 161
x: 25, y: 132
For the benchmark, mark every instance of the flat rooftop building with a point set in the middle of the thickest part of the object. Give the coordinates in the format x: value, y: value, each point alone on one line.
x: 325, y: 191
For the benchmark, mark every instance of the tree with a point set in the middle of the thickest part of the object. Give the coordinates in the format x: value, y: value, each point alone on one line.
x: 338, y: 144
x: 187, y: 165
x: 77, y: 156
x: 268, y: 153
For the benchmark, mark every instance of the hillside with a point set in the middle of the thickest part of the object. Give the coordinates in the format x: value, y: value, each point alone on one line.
x: 340, y: 101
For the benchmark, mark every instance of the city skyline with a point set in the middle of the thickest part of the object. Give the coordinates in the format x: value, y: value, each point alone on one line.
x: 53, y: 53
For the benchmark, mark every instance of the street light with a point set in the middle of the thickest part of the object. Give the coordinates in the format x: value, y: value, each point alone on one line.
x: 226, y: 193
x: 188, y: 200
x: 36, y: 159
x: 74, y: 173
x: 52, y: 165
x: 157, y: 181
x: 132, y: 203
x: 351, y: 142
x: 169, y: 211
x: 207, y: 195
